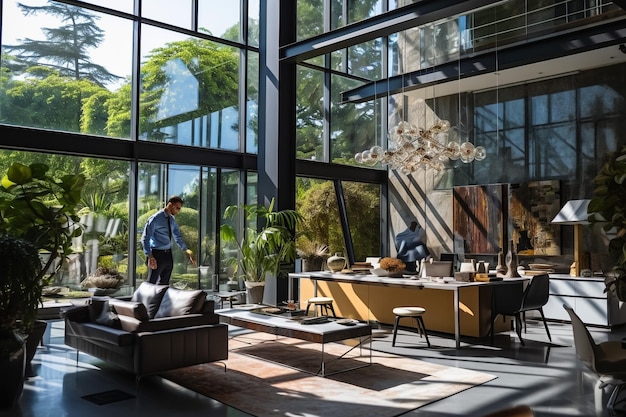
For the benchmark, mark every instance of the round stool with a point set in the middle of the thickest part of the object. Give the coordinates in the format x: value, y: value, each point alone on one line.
x: 322, y: 302
x: 415, y: 312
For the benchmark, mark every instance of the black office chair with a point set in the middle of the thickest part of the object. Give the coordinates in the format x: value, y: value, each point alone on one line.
x: 506, y: 300
x: 510, y: 299
x: 535, y: 297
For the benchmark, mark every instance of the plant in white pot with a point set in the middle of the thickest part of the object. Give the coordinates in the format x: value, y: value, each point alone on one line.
x: 608, y: 208
x: 43, y: 212
x: 268, y: 240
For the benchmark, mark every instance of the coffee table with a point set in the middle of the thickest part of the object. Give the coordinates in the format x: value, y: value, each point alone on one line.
x: 252, y: 318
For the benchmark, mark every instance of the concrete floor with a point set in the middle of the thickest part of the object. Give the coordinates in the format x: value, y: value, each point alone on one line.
x: 546, y: 376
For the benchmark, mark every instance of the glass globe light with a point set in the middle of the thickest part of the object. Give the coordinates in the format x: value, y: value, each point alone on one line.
x: 376, y: 152
x: 444, y: 125
x: 365, y: 155
x: 358, y: 157
x: 452, y: 150
x: 480, y: 153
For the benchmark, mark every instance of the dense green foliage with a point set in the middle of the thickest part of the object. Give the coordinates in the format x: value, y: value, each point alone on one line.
x: 41, y: 209
x: 608, y: 207
x: 20, y: 286
x: 261, y: 251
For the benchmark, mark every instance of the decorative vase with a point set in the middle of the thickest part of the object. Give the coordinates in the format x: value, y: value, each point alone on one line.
x: 336, y: 262
x: 500, y: 268
x: 511, y: 262
x: 254, y: 291
x: 12, y: 367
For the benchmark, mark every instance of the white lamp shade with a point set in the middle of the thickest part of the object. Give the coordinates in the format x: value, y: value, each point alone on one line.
x: 573, y: 212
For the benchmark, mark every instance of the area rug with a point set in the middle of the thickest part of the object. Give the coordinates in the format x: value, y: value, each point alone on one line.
x: 260, y: 380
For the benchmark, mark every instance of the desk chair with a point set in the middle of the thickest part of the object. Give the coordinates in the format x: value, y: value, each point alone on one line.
x: 606, y: 359
x: 511, y: 299
x: 535, y: 297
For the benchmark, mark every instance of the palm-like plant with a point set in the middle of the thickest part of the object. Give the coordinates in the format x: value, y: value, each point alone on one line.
x: 261, y: 251
x: 42, y: 210
x: 608, y: 207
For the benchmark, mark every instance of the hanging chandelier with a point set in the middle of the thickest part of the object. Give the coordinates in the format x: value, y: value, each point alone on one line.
x: 411, y: 148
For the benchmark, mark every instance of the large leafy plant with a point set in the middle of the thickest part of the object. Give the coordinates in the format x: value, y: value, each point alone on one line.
x: 20, y: 287
x: 42, y: 210
x: 261, y: 251
x: 608, y: 208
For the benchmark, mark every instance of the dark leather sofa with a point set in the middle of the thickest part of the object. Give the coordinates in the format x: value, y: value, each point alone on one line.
x: 158, y: 329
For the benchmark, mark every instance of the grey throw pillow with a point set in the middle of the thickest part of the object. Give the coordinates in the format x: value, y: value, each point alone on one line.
x: 180, y: 302
x: 107, y: 317
x: 150, y: 295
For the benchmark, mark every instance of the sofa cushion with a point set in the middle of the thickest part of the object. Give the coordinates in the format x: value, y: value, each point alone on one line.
x: 150, y: 295
x: 108, y: 317
x: 180, y: 302
x: 95, y: 307
x: 134, y: 309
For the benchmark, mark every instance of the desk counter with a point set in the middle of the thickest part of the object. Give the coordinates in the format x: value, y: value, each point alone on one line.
x: 460, y: 308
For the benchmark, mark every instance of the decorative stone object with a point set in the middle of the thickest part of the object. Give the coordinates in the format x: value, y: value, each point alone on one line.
x: 336, y: 262
x: 511, y: 262
x: 500, y: 268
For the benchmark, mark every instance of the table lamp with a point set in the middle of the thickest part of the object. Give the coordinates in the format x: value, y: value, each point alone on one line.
x: 574, y: 212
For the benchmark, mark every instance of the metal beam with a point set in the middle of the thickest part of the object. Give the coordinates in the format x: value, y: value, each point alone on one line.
x: 537, y: 50
x: 407, y: 17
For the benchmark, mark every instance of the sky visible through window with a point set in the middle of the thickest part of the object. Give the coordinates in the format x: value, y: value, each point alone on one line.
x: 115, y: 52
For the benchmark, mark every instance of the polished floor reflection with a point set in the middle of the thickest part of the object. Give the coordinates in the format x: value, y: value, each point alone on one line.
x: 546, y: 376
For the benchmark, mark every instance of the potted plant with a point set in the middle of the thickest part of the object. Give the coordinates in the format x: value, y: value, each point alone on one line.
x: 313, y: 254
x: 608, y: 208
x: 260, y: 251
x: 40, y: 210
x: 20, y: 295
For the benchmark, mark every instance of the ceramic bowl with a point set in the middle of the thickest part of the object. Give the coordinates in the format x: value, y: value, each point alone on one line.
x: 384, y: 273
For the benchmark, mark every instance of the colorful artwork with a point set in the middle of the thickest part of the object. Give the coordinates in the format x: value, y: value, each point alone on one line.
x: 533, y: 206
x: 478, y: 218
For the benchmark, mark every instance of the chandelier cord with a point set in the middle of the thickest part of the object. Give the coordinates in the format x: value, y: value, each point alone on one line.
x: 411, y: 147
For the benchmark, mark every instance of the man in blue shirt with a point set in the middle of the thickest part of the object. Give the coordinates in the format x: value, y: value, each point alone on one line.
x: 156, y: 240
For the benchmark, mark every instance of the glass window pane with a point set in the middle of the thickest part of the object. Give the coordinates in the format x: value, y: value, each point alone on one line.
x: 187, y: 79
x: 365, y: 60
x: 229, y: 195
x: 353, y: 126
x: 310, y: 21
x: 253, y: 22
x: 310, y: 114
x: 362, y: 9
x: 184, y: 181
x: 252, y: 104
x: 69, y: 94
x: 363, y: 210
x: 208, y: 232
x: 104, y: 215
x: 125, y: 6
x: 321, y: 227
x: 317, y: 203
x: 220, y: 18
x: 177, y: 13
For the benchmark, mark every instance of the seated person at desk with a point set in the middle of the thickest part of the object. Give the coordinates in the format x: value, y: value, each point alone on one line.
x: 410, y: 246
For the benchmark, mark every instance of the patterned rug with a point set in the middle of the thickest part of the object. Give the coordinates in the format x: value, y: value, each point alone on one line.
x: 261, y: 380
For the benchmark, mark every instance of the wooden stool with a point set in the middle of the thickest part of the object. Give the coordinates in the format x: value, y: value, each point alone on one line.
x: 321, y: 302
x: 415, y: 312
